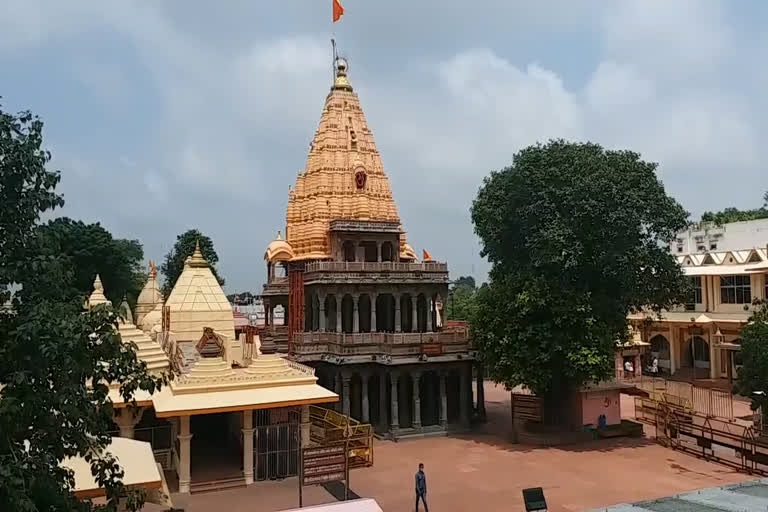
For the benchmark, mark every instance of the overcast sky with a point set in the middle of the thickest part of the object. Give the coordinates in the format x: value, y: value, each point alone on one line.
x: 176, y: 114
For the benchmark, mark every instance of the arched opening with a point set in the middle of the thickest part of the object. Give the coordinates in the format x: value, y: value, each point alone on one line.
x: 453, y: 392
x: 700, y: 352
x: 405, y: 400
x: 371, y: 251
x: 308, y: 317
x: 374, y: 403
x: 356, y: 397
x: 660, y: 351
x: 348, y: 247
x: 406, y: 312
x: 385, y: 313
x: 347, y: 310
x: 279, y: 270
x: 364, y: 312
x: 330, y: 313
x: 387, y: 252
x: 421, y: 308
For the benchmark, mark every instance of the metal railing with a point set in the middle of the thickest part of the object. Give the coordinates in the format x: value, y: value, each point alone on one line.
x: 382, y: 338
x: 710, y: 402
x: 374, y: 266
x: 328, y: 426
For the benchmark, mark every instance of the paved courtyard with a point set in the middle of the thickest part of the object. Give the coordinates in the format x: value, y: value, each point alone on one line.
x: 484, y: 471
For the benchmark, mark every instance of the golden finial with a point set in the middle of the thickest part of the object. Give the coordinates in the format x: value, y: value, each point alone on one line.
x: 340, y: 68
x: 197, y: 260
x: 152, y: 270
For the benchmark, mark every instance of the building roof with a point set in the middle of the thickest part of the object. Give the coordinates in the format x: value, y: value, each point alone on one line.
x: 718, y: 263
x: 97, y: 295
x: 150, y: 294
x: 135, y: 458
x: 147, y: 350
x: 749, y: 495
x: 197, y: 288
x: 213, y: 386
x: 343, y: 179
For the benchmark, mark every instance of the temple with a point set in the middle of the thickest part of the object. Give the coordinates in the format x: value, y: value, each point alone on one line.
x: 360, y: 307
x: 230, y: 415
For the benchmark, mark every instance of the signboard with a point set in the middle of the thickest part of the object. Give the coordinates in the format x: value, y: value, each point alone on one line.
x: 324, y: 463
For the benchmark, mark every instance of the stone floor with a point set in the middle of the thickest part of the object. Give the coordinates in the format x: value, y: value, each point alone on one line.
x: 484, y: 471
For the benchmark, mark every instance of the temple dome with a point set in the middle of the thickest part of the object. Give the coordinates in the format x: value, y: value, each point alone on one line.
x: 97, y: 296
x: 153, y: 318
x: 279, y: 250
x: 149, y: 296
x: 343, y: 179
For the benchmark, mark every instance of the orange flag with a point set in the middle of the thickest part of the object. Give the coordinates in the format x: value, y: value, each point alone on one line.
x: 426, y: 255
x: 338, y: 10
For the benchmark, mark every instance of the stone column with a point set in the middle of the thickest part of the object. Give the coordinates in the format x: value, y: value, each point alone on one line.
x: 364, y: 399
x: 415, y: 377
x: 337, y: 390
x: 443, y: 401
x: 415, y: 313
x: 429, y: 314
x: 248, y: 447
x: 383, y: 400
x: 398, y: 327
x: 321, y: 303
x: 338, y: 312
x: 305, y: 426
x: 185, y: 475
x: 465, y: 390
x: 378, y: 252
x: 127, y: 419
x: 480, y: 392
x: 373, y: 296
x: 394, y: 424
x: 355, y: 313
x: 345, y: 378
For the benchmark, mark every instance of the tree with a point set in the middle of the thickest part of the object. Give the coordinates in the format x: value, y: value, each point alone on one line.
x: 735, y: 215
x: 90, y: 249
x: 184, y: 247
x: 461, y: 299
x: 753, y: 375
x: 577, y: 237
x: 55, y: 360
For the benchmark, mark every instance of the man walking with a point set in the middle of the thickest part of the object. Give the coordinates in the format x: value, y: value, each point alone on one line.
x: 421, y: 488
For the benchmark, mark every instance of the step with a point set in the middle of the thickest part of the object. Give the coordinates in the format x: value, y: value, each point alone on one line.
x: 216, y: 485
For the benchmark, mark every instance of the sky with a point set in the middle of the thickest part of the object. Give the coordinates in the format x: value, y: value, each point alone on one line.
x: 166, y: 116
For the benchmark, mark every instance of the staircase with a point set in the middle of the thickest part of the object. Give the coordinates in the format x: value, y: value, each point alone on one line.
x: 216, y: 485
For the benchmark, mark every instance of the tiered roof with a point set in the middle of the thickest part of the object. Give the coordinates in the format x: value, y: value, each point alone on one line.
x: 344, y: 178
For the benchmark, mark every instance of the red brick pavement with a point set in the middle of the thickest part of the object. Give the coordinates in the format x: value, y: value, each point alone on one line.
x: 484, y: 471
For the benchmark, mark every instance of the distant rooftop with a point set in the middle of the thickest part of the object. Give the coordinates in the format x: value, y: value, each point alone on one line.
x: 705, y: 237
x: 751, y: 495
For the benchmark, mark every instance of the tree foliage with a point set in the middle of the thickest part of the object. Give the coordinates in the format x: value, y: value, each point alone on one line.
x: 90, y: 249
x: 184, y: 247
x: 577, y: 237
x: 735, y: 215
x: 461, y: 299
x: 50, y: 351
x: 753, y: 375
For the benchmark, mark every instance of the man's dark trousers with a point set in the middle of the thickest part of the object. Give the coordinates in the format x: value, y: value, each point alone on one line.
x: 423, y: 496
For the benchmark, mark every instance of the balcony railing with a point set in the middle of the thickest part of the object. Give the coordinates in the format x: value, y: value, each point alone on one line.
x: 374, y: 266
x: 315, y: 345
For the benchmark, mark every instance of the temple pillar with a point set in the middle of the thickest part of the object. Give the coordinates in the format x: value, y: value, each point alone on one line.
x: 321, y: 306
x: 465, y: 392
x: 305, y: 426
x: 184, y: 437
x: 415, y: 313
x: 337, y: 390
x: 429, y: 314
x: 383, y: 401
x: 443, y: 401
x: 126, y: 419
x: 248, y: 447
x: 345, y: 378
x: 338, y: 312
x: 355, y: 313
x: 480, y: 392
x: 374, y: 297
x: 378, y: 252
x: 415, y: 377
x: 398, y: 327
x: 364, y: 398
x: 394, y: 423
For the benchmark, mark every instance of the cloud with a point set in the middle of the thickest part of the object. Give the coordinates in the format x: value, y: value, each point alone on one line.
x: 211, y: 111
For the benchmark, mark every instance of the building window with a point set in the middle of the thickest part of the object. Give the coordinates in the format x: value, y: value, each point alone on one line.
x: 701, y: 248
x: 735, y: 290
x: 712, y: 246
x: 765, y: 292
x: 696, y: 295
x: 679, y: 245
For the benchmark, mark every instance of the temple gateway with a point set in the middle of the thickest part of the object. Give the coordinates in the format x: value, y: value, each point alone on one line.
x: 360, y: 307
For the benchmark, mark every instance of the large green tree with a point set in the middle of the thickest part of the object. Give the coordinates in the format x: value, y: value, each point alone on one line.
x: 185, y: 244
x: 55, y: 360
x: 752, y: 380
x: 90, y: 249
x: 578, y: 238
x: 461, y: 299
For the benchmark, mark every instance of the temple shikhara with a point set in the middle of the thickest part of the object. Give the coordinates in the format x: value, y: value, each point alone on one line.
x: 360, y: 307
